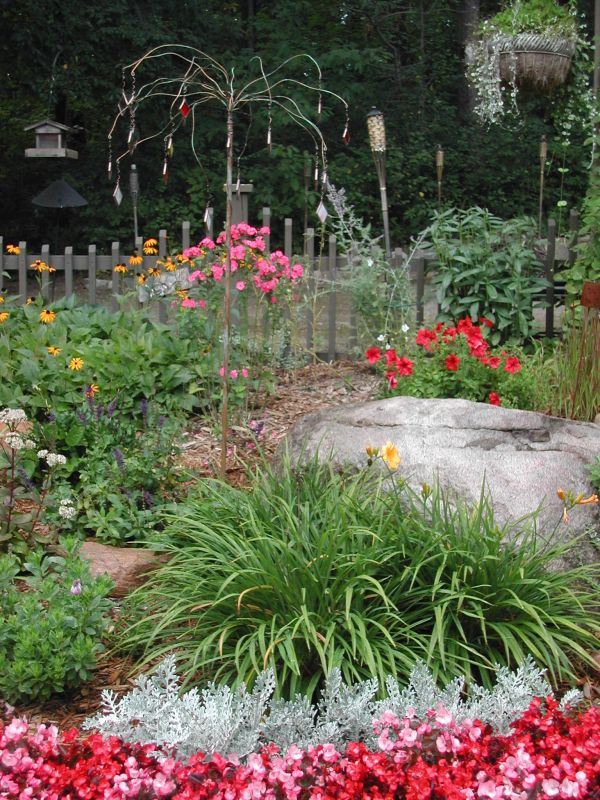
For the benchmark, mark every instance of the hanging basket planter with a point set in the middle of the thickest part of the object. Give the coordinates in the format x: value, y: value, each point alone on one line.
x: 534, y: 60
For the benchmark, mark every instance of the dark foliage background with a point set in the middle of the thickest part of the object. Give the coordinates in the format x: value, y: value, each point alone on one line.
x: 63, y: 58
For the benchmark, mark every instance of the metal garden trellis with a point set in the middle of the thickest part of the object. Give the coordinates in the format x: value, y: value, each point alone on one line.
x: 200, y: 80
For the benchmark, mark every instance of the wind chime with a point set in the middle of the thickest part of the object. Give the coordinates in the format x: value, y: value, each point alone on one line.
x: 201, y: 80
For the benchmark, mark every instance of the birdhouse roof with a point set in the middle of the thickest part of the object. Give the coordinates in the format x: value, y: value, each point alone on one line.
x: 48, y: 126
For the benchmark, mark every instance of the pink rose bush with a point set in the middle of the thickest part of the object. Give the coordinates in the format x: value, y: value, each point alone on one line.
x: 454, y: 360
x: 549, y: 754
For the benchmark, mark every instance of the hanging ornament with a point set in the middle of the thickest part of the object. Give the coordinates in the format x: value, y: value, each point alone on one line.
x: 184, y: 109
x: 346, y: 135
x: 165, y: 170
x: 118, y: 194
x: 131, y: 134
x: 269, y: 137
x: 324, y: 179
x: 169, y: 148
x: 322, y: 212
x: 109, y: 169
x: 316, y: 178
x: 319, y: 106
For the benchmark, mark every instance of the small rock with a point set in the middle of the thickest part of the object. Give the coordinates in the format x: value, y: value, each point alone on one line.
x: 127, y: 566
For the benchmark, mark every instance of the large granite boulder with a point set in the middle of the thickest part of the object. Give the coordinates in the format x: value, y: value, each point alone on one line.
x: 523, y: 456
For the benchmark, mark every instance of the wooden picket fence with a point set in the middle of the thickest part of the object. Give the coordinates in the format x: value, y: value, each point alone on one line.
x: 325, y: 269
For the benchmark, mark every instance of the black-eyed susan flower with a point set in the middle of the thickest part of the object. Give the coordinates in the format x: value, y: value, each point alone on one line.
x: 4, y: 315
x: 76, y: 364
x: 121, y: 269
x: 13, y: 249
x: 141, y: 279
x: 92, y: 390
x: 135, y: 260
x: 170, y: 265
x: 150, y: 248
x: 181, y: 293
x: 29, y: 301
x: 153, y: 272
x: 47, y: 316
x: 54, y: 351
x: 1, y: 299
x: 39, y: 266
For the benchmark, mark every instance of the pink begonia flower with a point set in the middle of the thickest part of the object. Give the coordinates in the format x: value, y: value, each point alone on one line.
x: 244, y: 372
x: 217, y: 272
x: 188, y: 303
x: 443, y: 716
x: 233, y: 374
x: 240, y: 286
x: 192, y: 252
x: 238, y: 252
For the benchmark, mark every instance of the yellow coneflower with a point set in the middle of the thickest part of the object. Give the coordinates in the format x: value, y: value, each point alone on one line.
x: 135, y: 260
x: 13, y: 249
x: 92, y: 389
x: 39, y: 266
x: 182, y: 259
x: 51, y: 269
x: 121, y: 269
x: 153, y: 272
x: 150, y: 247
x: 390, y: 456
x: 4, y: 315
x: 141, y: 279
x: 54, y: 351
x: 47, y: 316
x: 170, y: 265
x: 76, y: 364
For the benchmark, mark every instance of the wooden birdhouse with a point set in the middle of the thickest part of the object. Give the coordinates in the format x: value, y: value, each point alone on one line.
x: 50, y: 140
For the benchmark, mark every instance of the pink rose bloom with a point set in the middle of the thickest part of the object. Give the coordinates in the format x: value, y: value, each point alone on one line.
x: 297, y: 271
x: 240, y: 286
x: 222, y: 372
x: 196, y: 275
x: 264, y: 231
x: 238, y: 252
x: 233, y: 374
x: 208, y: 243
x: 244, y: 372
x: 217, y: 271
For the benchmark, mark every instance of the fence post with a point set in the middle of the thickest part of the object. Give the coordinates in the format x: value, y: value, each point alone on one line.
x: 45, y: 281
x: 69, y: 266
x: 331, y: 348
x: 310, y: 258
x: 114, y: 251
x: 22, y: 262
x: 185, y: 235
x: 162, y: 251
x: 420, y: 288
x: 266, y: 221
x: 92, y: 273
x: 573, y: 229
x: 550, y: 252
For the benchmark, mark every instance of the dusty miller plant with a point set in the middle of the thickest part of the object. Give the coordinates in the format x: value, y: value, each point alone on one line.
x: 380, y: 293
x: 235, y: 721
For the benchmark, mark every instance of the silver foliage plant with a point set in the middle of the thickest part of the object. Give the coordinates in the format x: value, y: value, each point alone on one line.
x: 235, y: 722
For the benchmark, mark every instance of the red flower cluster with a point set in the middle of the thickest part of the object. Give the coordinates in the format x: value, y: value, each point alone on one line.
x: 549, y: 754
x: 442, y: 340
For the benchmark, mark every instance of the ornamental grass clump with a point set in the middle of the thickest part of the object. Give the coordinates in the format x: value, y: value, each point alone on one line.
x: 311, y: 570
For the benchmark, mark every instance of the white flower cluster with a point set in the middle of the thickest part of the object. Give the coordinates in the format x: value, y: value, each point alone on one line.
x: 12, y: 416
x: 52, y: 459
x: 16, y: 442
x: 66, y: 509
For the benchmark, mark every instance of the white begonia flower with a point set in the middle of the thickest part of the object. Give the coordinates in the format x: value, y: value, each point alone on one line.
x: 405, y: 328
x: 381, y: 337
x: 10, y: 415
x: 14, y: 440
x: 52, y: 459
x: 42, y: 453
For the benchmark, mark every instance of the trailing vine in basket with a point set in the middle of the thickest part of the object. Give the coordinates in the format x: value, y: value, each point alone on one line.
x: 534, y: 43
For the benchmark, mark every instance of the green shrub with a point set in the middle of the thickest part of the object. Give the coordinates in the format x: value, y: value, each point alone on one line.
x: 486, y: 267
x: 312, y: 570
x: 51, y: 622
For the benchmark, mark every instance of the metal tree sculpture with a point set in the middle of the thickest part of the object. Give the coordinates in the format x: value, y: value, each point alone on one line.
x: 200, y: 80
